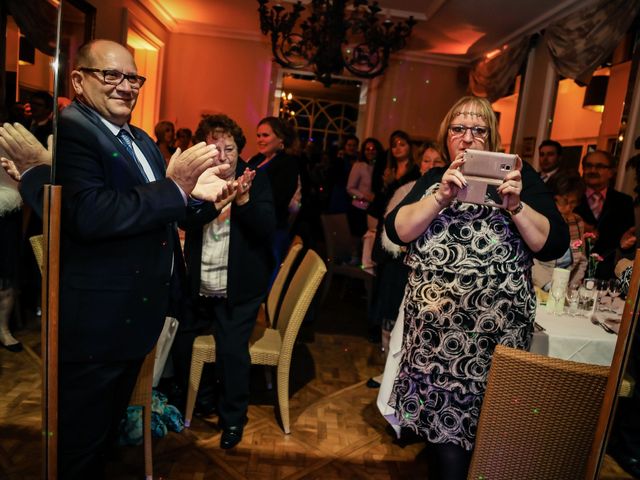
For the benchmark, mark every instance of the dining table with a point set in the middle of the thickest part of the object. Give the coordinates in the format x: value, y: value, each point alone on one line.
x: 576, y: 337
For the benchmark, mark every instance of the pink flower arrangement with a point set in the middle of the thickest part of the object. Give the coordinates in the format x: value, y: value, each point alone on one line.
x: 592, y: 257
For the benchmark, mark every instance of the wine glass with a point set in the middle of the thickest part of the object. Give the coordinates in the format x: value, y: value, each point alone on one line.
x: 558, y: 293
x: 573, y: 296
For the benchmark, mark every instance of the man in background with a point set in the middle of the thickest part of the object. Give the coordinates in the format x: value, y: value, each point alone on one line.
x: 549, y: 159
x: 607, y: 210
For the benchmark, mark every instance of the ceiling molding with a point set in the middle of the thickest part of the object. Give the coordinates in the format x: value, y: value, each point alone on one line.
x: 155, y: 8
x: 392, y: 12
x: 207, y: 30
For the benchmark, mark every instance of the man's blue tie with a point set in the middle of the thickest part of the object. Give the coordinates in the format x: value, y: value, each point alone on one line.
x: 127, y: 141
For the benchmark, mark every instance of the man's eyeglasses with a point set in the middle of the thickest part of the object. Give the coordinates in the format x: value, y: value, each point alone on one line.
x: 114, y: 77
x: 595, y: 166
x: 478, y: 131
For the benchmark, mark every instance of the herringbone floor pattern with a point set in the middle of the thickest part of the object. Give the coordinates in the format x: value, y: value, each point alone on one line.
x: 337, y: 432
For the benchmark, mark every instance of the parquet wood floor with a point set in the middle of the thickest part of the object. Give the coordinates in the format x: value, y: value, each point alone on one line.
x: 337, y: 432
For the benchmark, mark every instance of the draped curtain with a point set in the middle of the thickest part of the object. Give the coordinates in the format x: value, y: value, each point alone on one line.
x: 37, y: 21
x: 492, y: 78
x: 580, y: 43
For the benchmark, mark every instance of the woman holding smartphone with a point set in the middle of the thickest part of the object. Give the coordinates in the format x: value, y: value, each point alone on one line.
x: 469, y: 286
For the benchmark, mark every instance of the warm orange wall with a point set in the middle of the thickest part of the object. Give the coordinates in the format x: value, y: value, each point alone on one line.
x: 616, y: 92
x: 572, y: 124
x: 423, y: 94
x: 206, y: 74
x: 507, y: 107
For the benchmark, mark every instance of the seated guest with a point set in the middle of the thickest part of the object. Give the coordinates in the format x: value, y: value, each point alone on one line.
x: 229, y: 262
x: 165, y: 137
x: 607, y: 210
x: 568, y: 190
x: 550, y: 159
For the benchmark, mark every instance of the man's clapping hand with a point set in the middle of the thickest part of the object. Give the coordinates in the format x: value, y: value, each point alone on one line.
x: 23, y: 150
x: 186, y: 167
x: 212, y: 188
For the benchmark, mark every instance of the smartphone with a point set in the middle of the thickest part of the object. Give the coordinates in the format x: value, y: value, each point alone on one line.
x: 484, y: 173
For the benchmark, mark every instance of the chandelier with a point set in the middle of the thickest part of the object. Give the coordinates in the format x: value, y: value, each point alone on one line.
x: 331, y: 38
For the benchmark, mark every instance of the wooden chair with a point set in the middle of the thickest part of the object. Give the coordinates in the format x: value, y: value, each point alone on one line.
x: 142, y: 392
x: 538, y: 417
x: 337, y: 239
x: 268, y: 346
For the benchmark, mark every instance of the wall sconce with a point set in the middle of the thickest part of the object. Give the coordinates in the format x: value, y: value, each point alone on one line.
x: 27, y: 55
x: 595, y: 93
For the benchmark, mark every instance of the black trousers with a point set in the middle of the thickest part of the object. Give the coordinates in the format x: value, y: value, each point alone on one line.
x: 232, y: 328
x: 93, y: 398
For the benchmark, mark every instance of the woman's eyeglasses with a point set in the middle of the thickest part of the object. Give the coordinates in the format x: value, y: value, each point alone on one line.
x: 479, y: 132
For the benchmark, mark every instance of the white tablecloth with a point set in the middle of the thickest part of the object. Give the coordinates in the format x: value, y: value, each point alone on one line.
x: 573, y: 338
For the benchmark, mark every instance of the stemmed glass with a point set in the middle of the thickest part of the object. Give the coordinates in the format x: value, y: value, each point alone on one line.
x: 573, y: 297
x: 558, y: 294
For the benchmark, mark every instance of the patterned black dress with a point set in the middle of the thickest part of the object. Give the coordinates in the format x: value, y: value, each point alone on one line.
x: 469, y: 289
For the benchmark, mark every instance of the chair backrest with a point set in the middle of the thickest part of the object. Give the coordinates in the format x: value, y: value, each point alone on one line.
x: 300, y: 293
x: 142, y: 392
x: 37, y: 245
x: 538, y: 417
x: 337, y: 236
x: 278, y: 283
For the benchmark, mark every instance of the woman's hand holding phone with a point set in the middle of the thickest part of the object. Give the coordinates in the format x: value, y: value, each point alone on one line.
x: 512, y: 186
x: 452, y: 181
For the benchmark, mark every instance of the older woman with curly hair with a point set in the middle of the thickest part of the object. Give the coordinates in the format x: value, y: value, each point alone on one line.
x: 229, y: 264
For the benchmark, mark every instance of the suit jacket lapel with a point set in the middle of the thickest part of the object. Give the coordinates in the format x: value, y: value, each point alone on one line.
x: 151, y: 153
x: 121, y: 150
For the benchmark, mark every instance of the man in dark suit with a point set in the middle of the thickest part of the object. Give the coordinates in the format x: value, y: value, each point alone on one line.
x: 120, y: 253
x: 609, y: 211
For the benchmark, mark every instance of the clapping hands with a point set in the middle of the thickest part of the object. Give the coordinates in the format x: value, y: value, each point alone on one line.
x: 23, y: 150
x: 185, y: 168
x: 212, y: 188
